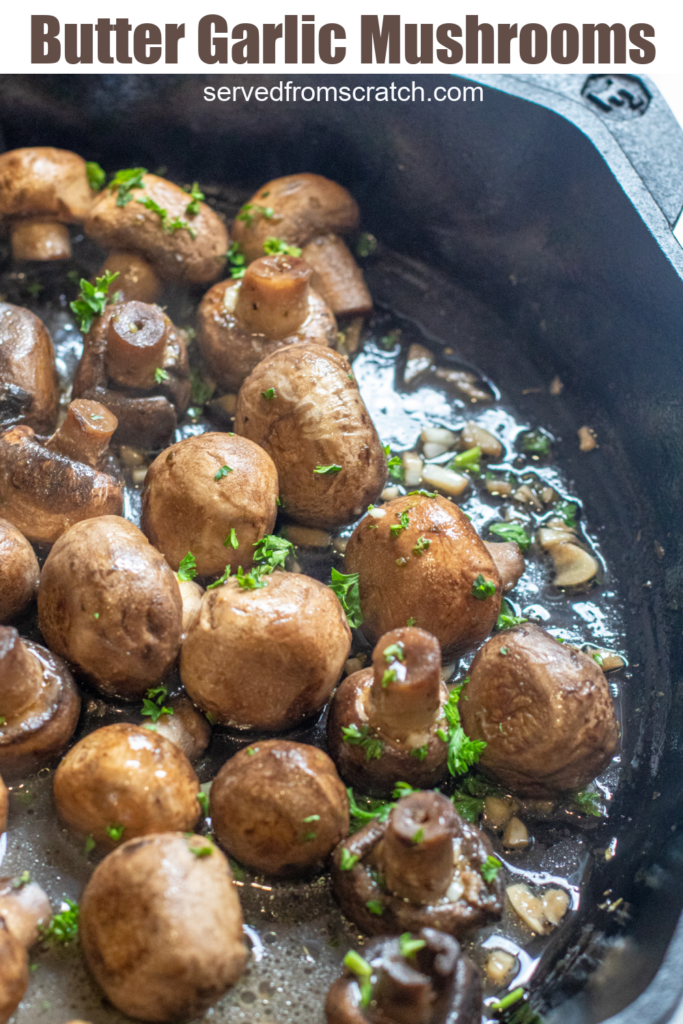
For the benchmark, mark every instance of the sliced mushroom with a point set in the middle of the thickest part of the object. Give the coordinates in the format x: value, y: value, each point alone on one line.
x: 39, y: 704
x: 19, y: 572
x: 41, y: 191
x: 337, y: 276
x: 28, y: 378
x: 271, y: 307
x: 383, y: 722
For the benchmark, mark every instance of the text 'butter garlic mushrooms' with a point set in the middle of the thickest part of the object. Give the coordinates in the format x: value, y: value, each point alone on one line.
x: 422, y: 868
x: 19, y: 572
x: 24, y: 910
x: 422, y: 560
x: 124, y: 781
x: 303, y: 406
x: 419, y: 978
x: 28, y: 378
x: 279, y: 807
x: 265, y: 653
x: 135, y: 363
x: 109, y: 603
x: 41, y: 191
x: 214, y: 495
x: 544, y: 711
x: 384, y: 721
x: 271, y: 307
x: 39, y: 704
x: 48, y: 485
x: 161, y: 927
x: 148, y: 215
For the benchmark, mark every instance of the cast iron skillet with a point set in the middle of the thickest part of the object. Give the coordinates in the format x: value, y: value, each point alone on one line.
x: 557, y: 215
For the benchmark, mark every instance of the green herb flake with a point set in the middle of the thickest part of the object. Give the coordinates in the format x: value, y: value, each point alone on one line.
x: 168, y: 224
x: 222, y: 472
x: 420, y: 752
x: 276, y: 247
x: 63, y: 928
x: 21, y: 880
x: 598, y: 658
x: 252, y: 211
x: 408, y: 946
x: 361, y: 738
x: 468, y: 460
x: 588, y: 802
x: 389, y: 341
x: 418, y: 837
x: 482, y: 588
x: 375, y: 907
x: 92, y: 300
x: 424, y: 494
x: 403, y: 524
x: 3, y: 720
x: 96, y: 175
x: 187, y: 570
x: 363, y: 972
x: 566, y: 510
x: 271, y: 552
x: 394, y: 652
x: 536, y: 442
x: 347, y: 860
x: 196, y: 196
x: 200, y: 389
x: 237, y: 261
x: 125, y: 181
x: 462, y: 751
x: 394, y: 465
x: 327, y: 470
x: 508, y: 1000
x: 115, y: 831
x: 512, y: 532
x: 153, y: 704
x: 421, y: 546
x: 311, y: 817
x: 268, y: 394
x: 371, y: 810
x: 388, y: 677
x: 211, y: 718
x: 221, y: 579
x: 507, y: 619
x: 249, y: 580
x: 204, y: 850
x: 203, y: 801
x: 504, y: 651
x: 251, y: 751
x: 365, y: 245
x: 160, y: 375
x: 411, y: 622
x: 231, y: 540
x: 490, y: 868
x: 346, y: 589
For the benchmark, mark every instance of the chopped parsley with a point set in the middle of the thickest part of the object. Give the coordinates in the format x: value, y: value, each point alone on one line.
x: 272, y: 552
x: 598, y: 658
x: 566, y: 510
x: 311, y: 817
x: 411, y: 621
x: 468, y: 800
x: 327, y: 470
x: 204, y: 850
x: 249, y: 580
x: 490, y: 868
x: 512, y: 531
x: 346, y: 589
x: 308, y: 837
x: 115, y: 831
x: 462, y: 751
x: 388, y: 677
x: 223, y: 471
x: 268, y: 394
x: 236, y: 260
x: 231, y: 540
x: 63, y: 928
x: 252, y: 211
x: 203, y: 801
x: 366, y: 245
x: 423, y: 494
x: 89, y: 844
x: 507, y: 619
x: 418, y: 837
x: 408, y: 946
x: 420, y: 752
x: 504, y: 651
x: 201, y: 390
x: 187, y: 570
x: 372, y: 809
x: 276, y: 247
x: 168, y: 224
x: 403, y: 524
x: 468, y: 460
x: 92, y: 299
x: 125, y: 181
x: 96, y: 175
x: 196, y: 196
x: 221, y: 579
x: 394, y: 465
x: 536, y: 442
x: 21, y: 880
x: 3, y: 719
x: 347, y: 860
x: 388, y: 342
x: 153, y: 703
x: 375, y: 907
x: 482, y: 588
x: 394, y: 652
x: 160, y: 375
x: 421, y: 546
x: 588, y: 802
x: 361, y: 738
x: 363, y: 971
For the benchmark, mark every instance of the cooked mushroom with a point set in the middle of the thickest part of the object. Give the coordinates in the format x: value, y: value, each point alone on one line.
x: 191, y: 595
x: 19, y: 572
x: 271, y: 307
x: 151, y: 219
x: 47, y: 486
x: 161, y: 927
x: 135, y: 363
x: 303, y: 406
x: 136, y: 279
x: 4, y: 806
x: 13, y: 973
x: 265, y: 658
x: 383, y: 721
x: 214, y: 495
x: 123, y: 781
x: 24, y: 908
x: 39, y: 704
x: 109, y: 603
x: 544, y: 711
x: 420, y: 868
x: 186, y: 727
x: 279, y: 808
x: 337, y: 276
x: 418, y: 978
x: 42, y: 190
x: 28, y: 378
x: 419, y: 558
x: 508, y: 560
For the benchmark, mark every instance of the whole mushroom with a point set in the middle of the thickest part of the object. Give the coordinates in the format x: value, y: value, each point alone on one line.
x: 109, y: 603
x: 19, y: 572
x: 384, y: 721
x: 302, y: 405
x: 214, y: 495
x: 39, y: 704
x: 419, y: 558
x: 279, y: 807
x: 136, y: 279
x: 13, y: 974
x: 123, y: 781
x: 135, y: 363
x: 185, y: 726
x: 24, y: 911
x: 265, y: 658
x: 41, y: 191
x: 509, y: 561
x: 4, y: 806
x: 420, y: 978
x: 144, y: 214
x: 420, y: 868
x: 161, y: 927
x: 544, y: 710
x: 28, y: 378
x: 48, y: 485
x: 271, y: 307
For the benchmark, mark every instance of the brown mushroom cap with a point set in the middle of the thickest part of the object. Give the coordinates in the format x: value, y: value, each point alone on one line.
x: 266, y: 658
x: 161, y: 927
x: 279, y: 807
x: 434, y: 586
x: 13, y: 974
x: 127, y: 777
x: 28, y: 388
x: 509, y: 562
x: 19, y: 572
x: 303, y: 206
x: 303, y: 406
x: 39, y: 704
x: 136, y: 281
x: 398, y: 703
x: 543, y: 709
x: 186, y: 727
x: 175, y: 255
x: 337, y: 276
x: 185, y: 508
x: 232, y: 344
x: 109, y: 603
x: 44, y: 182
x: 43, y: 493
x: 24, y: 909
x: 470, y: 903
x: 4, y: 806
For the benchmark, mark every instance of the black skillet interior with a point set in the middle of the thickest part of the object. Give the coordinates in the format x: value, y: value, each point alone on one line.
x: 513, y: 204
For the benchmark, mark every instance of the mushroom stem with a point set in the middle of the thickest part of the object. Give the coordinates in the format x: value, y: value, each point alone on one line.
x: 406, y: 688
x: 136, y: 339
x: 21, y: 674
x: 85, y: 433
x: 44, y: 240
x: 403, y: 993
x: 417, y: 990
x: 273, y: 296
x: 417, y: 848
